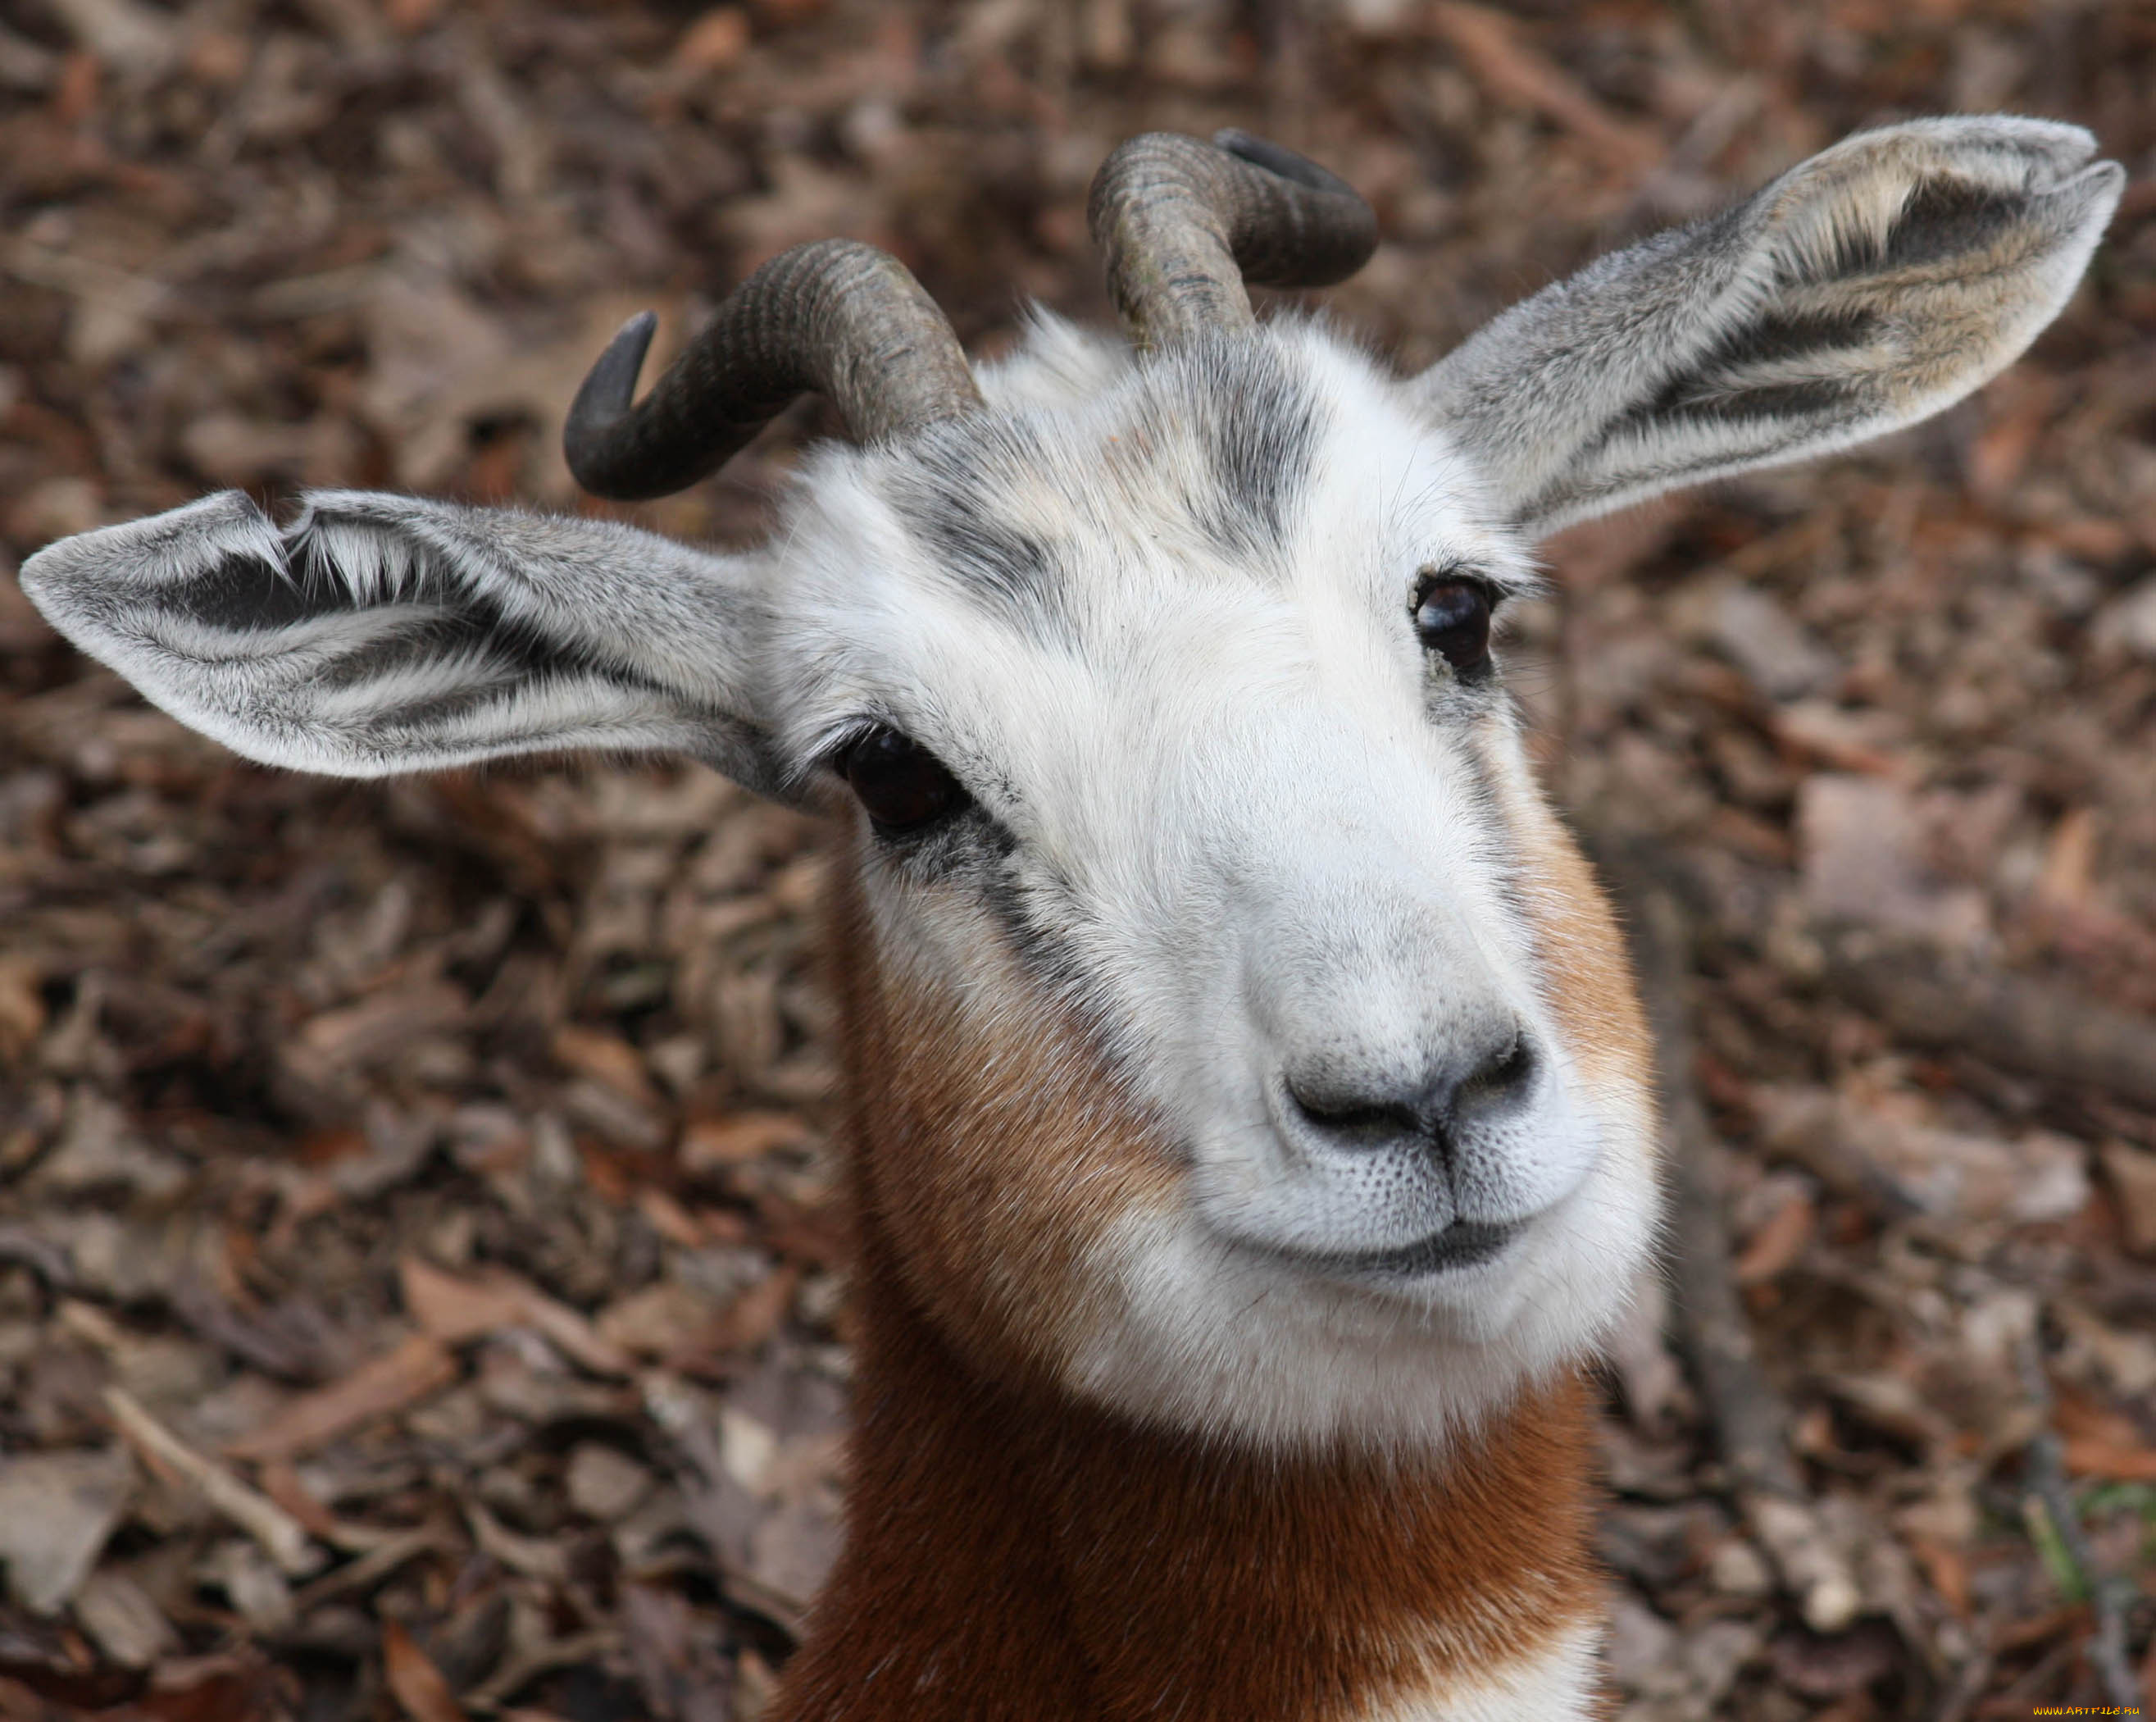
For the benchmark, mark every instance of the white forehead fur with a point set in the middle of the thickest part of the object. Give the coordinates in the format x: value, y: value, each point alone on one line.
x: 871, y: 619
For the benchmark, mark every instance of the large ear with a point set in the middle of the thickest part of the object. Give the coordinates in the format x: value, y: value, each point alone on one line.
x: 380, y: 634
x: 1864, y: 289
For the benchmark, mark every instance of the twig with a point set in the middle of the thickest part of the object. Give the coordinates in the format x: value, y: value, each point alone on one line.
x: 282, y: 1537
x: 2010, y: 1700
x: 46, y: 1259
x: 360, y: 1575
x: 1970, y: 1679
x: 2033, y: 1026
x: 2110, y: 1594
x: 1516, y: 73
x: 1749, y: 1418
x: 2039, y: 1028
x: 525, y: 1664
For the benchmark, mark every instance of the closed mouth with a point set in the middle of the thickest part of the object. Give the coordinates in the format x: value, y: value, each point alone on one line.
x: 1464, y: 1243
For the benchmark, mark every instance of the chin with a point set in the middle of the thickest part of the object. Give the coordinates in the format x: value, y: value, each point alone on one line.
x: 1204, y: 1334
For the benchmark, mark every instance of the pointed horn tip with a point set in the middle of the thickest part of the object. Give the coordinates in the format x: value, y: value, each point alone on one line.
x: 603, y: 400
x: 610, y: 384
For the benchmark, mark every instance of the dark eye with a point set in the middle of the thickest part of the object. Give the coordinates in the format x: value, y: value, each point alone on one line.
x: 900, y: 783
x: 1452, y: 616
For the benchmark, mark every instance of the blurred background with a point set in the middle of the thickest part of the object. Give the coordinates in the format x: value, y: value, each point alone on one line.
x: 419, y: 1289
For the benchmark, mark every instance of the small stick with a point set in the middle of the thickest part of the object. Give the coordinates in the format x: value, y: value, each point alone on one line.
x: 1749, y: 1418
x: 2039, y: 1028
x: 2110, y: 1594
x: 2036, y: 1027
x: 48, y: 1260
x: 1969, y: 1681
x: 282, y: 1536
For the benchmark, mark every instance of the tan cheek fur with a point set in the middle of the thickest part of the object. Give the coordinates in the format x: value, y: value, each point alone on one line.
x: 1587, y: 974
x: 992, y: 1157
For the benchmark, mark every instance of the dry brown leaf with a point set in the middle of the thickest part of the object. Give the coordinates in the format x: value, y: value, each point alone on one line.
x: 1776, y: 1246
x: 2100, y: 1442
x: 408, y: 18
x: 2019, y: 408
x: 792, y: 1549
x: 2075, y: 1617
x: 1947, y: 1569
x: 125, y: 1621
x: 455, y: 1310
x: 2132, y: 1172
x: 709, y: 1143
x: 2087, y: 1457
x: 544, y: 1558
x: 714, y: 41
x: 2075, y: 1413
x: 1820, y: 731
x: 669, y: 1218
x: 379, y: 1388
x: 1864, y: 862
x: 2068, y: 879
x: 417, y: 1684
x: 754, y: 1317
x: 605, y: 1059
x: 362, y: 1033
x: 603, y: 1484
x: 743, y: 1325
x: 56, y: 1511
x: 22, y: 1011
x: 659, y: 1321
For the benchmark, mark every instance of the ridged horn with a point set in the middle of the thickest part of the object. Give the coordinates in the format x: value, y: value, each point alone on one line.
x: 836, y: 317
x: 1184, y: 224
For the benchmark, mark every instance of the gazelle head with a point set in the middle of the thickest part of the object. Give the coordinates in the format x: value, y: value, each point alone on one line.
x: 1235, y: 1039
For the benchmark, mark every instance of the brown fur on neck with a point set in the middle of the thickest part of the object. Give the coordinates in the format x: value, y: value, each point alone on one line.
x: 1014, y: 1553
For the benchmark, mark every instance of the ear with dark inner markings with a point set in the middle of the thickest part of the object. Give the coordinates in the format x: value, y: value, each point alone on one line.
x: 1866, y: 289
x: 377, y: 635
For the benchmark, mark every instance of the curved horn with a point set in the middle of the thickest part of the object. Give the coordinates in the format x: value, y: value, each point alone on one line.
x: 837, y: 317
x: 1185, y: 223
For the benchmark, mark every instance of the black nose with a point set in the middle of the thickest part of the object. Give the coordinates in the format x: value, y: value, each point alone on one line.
x: 1351, y: 1109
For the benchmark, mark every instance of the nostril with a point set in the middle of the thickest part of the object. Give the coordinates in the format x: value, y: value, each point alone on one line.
x: 1503, y: 1076
x: 1353, y: 1120
x: 1372, y: 1114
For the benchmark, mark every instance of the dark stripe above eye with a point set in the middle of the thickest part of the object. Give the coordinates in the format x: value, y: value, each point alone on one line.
x: 945, y: 499
x: 1262, y: 435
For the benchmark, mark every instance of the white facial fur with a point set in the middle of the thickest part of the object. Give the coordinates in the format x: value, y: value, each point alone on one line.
x: 1245, y: 823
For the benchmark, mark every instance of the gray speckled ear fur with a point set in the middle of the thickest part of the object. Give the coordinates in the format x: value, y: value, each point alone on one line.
x: 379, y: 634
x: 1866, y: 289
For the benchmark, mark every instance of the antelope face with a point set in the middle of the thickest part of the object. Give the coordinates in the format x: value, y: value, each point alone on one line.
x: 1174, y: 686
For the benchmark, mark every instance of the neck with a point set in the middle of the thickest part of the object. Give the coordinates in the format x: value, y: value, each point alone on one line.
x: 1011, y: 1553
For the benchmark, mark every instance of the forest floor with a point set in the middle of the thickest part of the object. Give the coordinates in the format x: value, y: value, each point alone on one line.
x: 420, y: 1288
